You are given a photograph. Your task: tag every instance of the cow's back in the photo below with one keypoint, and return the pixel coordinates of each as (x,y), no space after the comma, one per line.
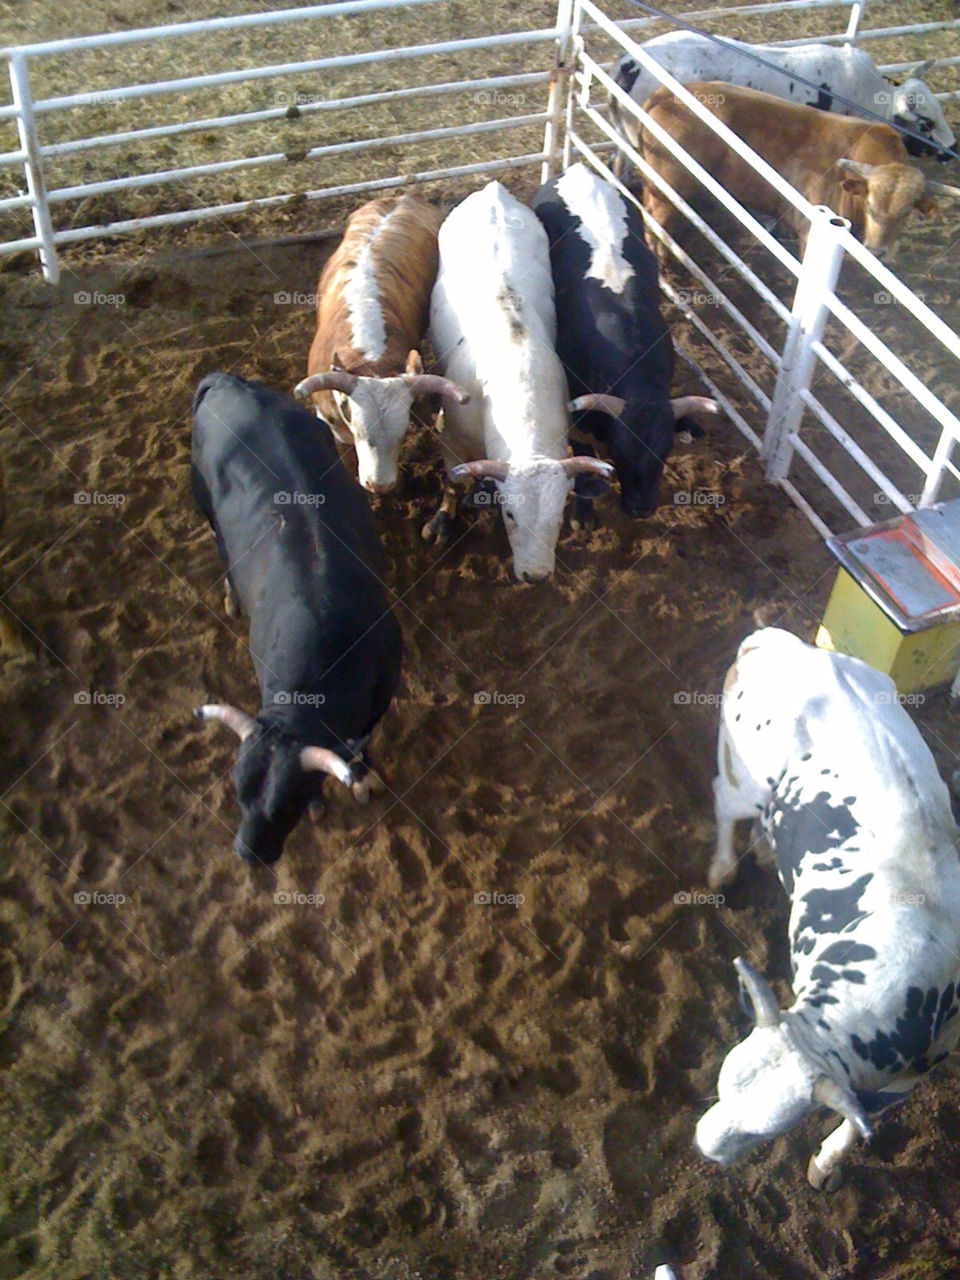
(832,72)
(387,258)
(493,325)
(802,144)
(298,539)
(606,285)
(788,704)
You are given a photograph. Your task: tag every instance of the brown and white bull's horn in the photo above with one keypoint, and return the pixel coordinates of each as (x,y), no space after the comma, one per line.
(430,384)
(766,1010)
(335,380)
(484,469)
(613,405)
(684,405)
(322,760)
(581,462)
(235,719)
(857,166)
(942,188)
(830,1094)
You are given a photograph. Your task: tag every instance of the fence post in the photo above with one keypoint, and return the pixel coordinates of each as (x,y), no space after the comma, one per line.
(558,83)
(938,463)
(853,26)
(36,189)
(820,269)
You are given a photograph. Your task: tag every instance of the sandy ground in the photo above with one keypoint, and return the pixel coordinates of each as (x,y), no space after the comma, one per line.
(353,1067)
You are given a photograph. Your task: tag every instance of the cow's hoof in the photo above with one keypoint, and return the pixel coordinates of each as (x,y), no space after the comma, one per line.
(437,529)
(829,1182)
(361,790)
(717,875)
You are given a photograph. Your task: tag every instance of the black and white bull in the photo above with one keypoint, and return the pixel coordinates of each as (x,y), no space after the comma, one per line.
(818,746)
(611,337)
(301,554)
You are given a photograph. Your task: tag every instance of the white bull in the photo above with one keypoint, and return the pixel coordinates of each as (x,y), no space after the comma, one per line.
(493,330)
(818,747)
(837,72)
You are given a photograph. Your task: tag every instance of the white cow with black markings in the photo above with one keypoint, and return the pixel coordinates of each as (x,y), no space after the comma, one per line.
(818,746)
(835,71)
(493,327)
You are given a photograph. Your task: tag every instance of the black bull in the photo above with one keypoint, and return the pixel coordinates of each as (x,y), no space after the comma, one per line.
(302,555)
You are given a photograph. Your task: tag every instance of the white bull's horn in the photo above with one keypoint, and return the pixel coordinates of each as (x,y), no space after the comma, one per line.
(235,719)
(942,188)
(614,405)
(766,1010)
(426,384)
(684,405)
(832,1095)
(322,760)
(481,470)
(857,166)
(335,380)
(922,68)
(583,462)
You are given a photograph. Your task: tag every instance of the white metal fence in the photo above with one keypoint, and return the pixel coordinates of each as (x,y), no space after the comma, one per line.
(810,442)
(34,156)
(810,414)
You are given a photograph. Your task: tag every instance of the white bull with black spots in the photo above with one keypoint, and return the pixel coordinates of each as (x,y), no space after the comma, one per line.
(818,746)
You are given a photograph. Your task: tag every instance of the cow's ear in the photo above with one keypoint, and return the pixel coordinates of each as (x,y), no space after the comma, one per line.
(590,485)
(336,362)
(414,363)
(928,206)
(854,185)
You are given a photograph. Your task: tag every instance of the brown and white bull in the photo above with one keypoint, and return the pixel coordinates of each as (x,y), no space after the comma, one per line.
(858,169)
(365,374)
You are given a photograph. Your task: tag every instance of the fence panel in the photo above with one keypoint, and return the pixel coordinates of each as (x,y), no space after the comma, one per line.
(324,113)
(836,402)
(818,381)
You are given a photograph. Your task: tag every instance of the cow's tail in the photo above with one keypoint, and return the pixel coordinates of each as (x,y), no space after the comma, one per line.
(625,74)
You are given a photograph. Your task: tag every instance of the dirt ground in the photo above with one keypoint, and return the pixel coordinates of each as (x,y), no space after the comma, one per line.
(355,1067)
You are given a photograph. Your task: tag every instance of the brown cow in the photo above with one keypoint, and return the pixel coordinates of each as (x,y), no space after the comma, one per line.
(364,368)
(858,169)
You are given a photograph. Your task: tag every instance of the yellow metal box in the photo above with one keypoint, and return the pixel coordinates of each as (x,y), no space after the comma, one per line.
(896,599)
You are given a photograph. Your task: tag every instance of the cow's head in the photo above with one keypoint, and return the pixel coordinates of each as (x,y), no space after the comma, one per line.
(639,435)
(378,413)
(532,496)
(889,194)
(917,108)
(276,778)
(767,1083)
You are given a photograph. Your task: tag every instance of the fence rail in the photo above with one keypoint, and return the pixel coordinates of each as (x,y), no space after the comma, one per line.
(34,155)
